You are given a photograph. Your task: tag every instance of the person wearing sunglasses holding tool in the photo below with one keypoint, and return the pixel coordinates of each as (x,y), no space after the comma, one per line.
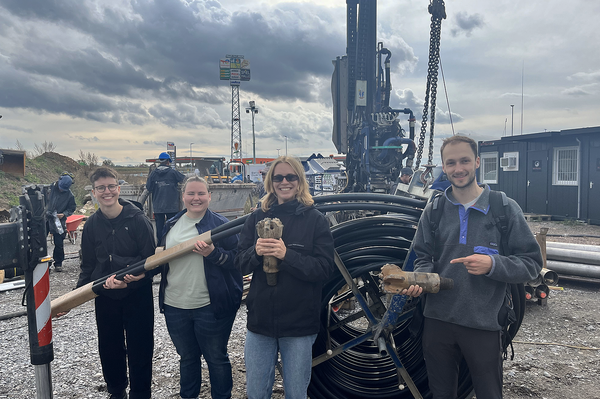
(118,235)
(284,317)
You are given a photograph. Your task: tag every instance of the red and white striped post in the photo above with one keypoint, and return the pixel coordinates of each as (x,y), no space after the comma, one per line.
(35,264)
(40,327)
(41,292)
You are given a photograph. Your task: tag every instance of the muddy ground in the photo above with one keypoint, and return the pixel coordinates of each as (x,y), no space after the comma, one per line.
(556,349)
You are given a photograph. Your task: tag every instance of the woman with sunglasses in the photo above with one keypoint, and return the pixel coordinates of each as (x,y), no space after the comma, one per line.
(284,317)
(200,294)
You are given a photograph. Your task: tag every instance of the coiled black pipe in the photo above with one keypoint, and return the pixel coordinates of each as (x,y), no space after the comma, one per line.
(374,197)
(365,245)
(358,206)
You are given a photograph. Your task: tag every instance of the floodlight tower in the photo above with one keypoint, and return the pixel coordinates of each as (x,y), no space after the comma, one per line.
(236,123)
(235,69)
(253,110)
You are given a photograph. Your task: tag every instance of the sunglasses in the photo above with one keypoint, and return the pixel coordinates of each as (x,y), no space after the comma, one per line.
(290,178)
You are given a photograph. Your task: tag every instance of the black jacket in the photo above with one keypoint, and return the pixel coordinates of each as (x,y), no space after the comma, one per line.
(60,202)
(163,184)
(292,307)
(224,282)
(106,250)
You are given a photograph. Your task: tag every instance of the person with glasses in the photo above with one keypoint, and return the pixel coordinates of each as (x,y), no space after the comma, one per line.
(61,205)
(118,234)
(163,183)
(200,294)
(284,318)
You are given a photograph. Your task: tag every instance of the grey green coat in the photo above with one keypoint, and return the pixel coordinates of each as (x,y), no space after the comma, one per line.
(475,300)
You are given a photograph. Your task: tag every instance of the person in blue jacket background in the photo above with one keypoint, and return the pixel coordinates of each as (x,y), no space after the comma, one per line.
(163,183)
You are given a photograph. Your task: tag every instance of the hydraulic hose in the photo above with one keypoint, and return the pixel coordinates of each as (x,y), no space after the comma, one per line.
(373,197)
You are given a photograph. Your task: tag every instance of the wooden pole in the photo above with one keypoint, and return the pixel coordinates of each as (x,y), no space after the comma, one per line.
(89,291)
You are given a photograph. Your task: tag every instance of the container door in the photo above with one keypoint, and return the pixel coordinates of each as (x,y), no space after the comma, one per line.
(538,173)
(594,184)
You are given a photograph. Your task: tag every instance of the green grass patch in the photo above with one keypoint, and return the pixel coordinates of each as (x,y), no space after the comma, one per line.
(39,162)
(13,199)
(31,178)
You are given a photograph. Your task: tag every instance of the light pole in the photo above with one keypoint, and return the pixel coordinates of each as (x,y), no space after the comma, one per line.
(512,118)
(285,146)
(191,159)
(277,152)
(253,110)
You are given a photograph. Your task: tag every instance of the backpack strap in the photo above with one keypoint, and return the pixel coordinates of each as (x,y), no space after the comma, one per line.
(438,200)
(498,204)
(436,211)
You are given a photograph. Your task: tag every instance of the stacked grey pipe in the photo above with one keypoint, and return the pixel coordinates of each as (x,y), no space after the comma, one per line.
(574,259)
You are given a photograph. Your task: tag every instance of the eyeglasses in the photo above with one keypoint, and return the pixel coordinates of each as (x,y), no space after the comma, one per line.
(111,187)
(290,178)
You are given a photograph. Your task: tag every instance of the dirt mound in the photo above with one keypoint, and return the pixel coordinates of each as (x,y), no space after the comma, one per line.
(43,169)
(48,166)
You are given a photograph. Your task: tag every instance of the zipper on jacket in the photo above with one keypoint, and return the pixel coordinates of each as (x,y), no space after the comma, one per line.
(114,246)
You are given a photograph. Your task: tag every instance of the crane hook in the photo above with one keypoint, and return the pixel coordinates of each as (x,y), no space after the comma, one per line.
(427,176)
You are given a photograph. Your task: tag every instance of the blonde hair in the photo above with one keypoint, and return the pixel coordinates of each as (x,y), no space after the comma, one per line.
(193,179)
(303,195)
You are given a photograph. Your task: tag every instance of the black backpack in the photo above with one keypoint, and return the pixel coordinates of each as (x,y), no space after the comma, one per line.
(507,315)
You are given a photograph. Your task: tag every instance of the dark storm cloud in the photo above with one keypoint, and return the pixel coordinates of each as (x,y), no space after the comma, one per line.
(466,23)
(186,115)
(22,90)
(88,67)
(111,55)
(52,10)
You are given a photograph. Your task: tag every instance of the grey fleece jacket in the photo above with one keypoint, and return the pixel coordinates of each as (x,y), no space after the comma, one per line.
(475,300)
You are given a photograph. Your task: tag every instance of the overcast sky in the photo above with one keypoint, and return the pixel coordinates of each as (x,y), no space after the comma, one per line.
(120,78)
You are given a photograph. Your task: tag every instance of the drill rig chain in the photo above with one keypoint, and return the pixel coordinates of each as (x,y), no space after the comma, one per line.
(438,12)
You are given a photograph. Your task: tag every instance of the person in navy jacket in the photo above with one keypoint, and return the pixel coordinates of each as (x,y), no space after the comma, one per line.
(200,294)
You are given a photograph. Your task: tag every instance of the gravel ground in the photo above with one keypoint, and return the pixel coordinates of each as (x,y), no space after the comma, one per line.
(554,355)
